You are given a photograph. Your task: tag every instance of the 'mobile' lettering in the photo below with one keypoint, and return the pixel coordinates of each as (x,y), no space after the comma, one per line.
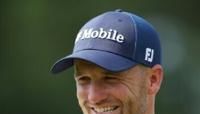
(100,34)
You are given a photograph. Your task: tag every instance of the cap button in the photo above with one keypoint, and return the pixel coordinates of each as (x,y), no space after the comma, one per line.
(119,10)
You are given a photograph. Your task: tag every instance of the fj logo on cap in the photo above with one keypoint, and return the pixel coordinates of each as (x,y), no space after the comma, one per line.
(149,54)
(101,34)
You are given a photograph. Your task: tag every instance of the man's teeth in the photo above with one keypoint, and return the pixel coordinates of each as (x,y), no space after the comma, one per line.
(106,109)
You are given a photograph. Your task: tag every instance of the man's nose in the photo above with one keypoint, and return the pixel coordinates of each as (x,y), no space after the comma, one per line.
(97,93)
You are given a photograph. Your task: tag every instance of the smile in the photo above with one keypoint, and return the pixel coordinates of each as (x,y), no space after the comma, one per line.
(104,109)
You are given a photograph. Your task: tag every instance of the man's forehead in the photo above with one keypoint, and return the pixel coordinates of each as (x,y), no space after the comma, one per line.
(81,65)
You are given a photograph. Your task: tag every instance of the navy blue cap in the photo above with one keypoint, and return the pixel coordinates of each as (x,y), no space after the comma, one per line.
(115,41)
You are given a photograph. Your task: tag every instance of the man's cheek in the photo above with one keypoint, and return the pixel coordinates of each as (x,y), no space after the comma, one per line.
(82,105)
(129,106)
(81,99)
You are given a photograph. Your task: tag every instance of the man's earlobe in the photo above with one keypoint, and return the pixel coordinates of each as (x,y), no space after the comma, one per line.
(155,79)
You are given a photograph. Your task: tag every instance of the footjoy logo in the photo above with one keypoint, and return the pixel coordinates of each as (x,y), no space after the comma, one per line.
(100,34)
(149,54)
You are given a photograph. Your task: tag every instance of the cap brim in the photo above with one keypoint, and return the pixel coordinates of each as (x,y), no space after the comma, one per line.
(106,60)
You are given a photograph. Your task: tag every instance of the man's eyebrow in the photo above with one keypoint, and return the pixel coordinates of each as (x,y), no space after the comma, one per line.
(78,74)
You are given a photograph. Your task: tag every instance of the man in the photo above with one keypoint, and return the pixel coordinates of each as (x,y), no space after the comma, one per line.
(117,62)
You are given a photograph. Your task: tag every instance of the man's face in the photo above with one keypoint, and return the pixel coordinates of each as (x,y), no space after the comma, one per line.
(103,92)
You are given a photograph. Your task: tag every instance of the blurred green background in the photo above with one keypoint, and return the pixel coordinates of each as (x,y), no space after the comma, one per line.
(35,33)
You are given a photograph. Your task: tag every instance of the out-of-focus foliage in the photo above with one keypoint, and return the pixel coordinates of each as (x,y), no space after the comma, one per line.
(35,33)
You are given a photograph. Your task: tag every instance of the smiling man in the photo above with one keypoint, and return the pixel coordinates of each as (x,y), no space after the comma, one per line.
(117,64)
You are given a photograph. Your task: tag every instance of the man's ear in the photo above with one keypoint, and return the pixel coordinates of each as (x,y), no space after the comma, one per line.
(155,79)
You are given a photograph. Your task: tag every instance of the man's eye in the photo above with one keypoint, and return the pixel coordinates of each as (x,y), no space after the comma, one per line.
(110,78)
(83,80)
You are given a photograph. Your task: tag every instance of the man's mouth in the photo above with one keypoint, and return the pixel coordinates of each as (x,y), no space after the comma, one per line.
(104,109)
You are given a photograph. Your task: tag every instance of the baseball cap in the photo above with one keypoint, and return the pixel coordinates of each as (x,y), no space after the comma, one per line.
(116,41)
